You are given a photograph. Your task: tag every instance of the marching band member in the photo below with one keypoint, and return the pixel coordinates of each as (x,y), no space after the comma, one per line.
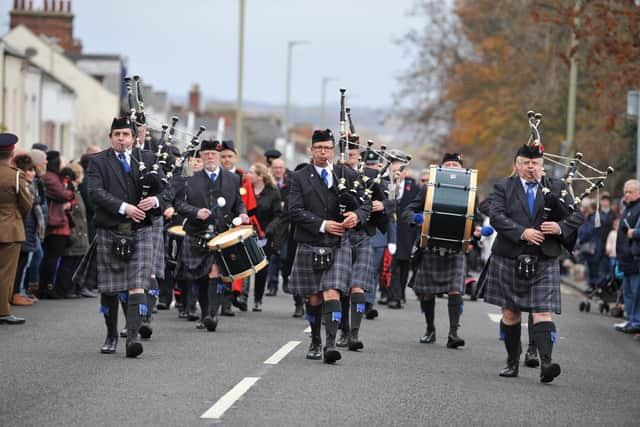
(322,264)
(211,199)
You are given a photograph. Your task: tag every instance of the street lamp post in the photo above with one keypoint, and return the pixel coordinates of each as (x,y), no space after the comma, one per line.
(239,116)
(287,106)
(633,110)
(323,97)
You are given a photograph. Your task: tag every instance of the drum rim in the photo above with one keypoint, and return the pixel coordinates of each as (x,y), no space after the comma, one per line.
(171,230)
(246,232)
(230,279)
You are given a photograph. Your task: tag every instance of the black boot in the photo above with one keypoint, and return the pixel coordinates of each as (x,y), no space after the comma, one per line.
(299,306)
(512,344)
(136,309)
(544,335)
(226,309)
(109,307)
(216,295)
(370,312)
(315,321)
(122,296)
(428,308)
(358,303)
(455,310)
(145,328)
(343,341)
(531,356)
(332,315)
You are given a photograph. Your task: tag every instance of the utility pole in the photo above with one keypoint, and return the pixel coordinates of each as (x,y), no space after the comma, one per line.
(573,82)
(240,76)
(323,97)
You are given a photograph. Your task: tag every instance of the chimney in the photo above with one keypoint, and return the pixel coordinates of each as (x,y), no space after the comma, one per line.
(30,4)
(46,5)
(61,9)
(22,5)
(52,20)
(69,6)
(194,99)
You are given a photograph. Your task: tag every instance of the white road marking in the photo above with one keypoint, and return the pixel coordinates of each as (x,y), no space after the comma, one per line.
(281,354)
(225,402)
(308,330)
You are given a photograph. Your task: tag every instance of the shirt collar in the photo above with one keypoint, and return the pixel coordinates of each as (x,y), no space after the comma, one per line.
(216,171)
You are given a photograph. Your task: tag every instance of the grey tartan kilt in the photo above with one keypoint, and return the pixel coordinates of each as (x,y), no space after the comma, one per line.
(440,274)
(157,223)
(305,281)
(540,294)
(363,269)
(195,261)
(116,275)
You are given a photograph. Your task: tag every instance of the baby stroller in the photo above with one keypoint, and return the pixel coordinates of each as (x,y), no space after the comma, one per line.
(607,291)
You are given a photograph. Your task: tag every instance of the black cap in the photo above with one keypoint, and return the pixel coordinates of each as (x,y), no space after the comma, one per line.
(272,153)
(370,157)
(7,141)
(353,142)
(320,135)
(210,144)
(452,157)
(40,146)
(52,155)
(228,145)
(530,151)
(121,123)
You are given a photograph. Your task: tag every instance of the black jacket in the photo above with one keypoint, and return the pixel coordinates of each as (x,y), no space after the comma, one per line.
(378,219)
(509,214)
(311,203)
(199,192)
(268,207)
(405,233)
(629,219)
(110,185)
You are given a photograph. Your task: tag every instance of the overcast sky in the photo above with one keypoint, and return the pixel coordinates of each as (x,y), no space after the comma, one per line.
(174,43)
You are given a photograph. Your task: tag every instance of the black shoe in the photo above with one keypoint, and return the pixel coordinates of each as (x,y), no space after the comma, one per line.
(394,305)
(548,371)
(271,293)
(227,311)
(531,359)
(109,346)
(240,302)
(354,342)
(257,307)
(145,331)
(182,315)
(84,292)
(123,333)
(211,323)
(511,370)
(134,348)
(628,329)
(71,295)
(315,352)
(12,320)
(429,337)
(343,341)
(331,355)
(383,300)
(299,311)
(163,306)
(200,325)
(454,341)
(370,312)
(192,316)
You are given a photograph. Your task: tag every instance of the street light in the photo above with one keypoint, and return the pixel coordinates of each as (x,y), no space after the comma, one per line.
(239,116)
(323,98)
(287,106)
(633,111)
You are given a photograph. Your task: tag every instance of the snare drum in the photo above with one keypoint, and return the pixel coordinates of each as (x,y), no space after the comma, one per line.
(175,241)
(237,254)
(449,208)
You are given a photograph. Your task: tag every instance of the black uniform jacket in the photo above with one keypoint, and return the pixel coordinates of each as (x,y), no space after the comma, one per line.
(406,233)
(310,202)
(200,192)
(378,219)
(110,185)
(509,214)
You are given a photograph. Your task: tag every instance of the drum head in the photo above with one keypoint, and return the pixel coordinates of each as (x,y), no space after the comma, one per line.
(176,230)
(230,238)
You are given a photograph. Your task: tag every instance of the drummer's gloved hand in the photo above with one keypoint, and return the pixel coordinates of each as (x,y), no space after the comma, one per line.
(418,218)
(392,248)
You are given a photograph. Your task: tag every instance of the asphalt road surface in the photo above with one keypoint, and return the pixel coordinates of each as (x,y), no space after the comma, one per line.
(52,373)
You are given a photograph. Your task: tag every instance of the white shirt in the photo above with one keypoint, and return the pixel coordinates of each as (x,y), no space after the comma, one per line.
(526,188)
(216,171)
(329,174)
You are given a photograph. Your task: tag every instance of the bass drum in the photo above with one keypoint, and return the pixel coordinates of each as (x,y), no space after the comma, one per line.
(237,254)
(449,208)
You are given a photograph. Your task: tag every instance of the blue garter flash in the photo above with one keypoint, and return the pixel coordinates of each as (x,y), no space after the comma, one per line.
(336,316)
(220,288)
(554,336)
(144,310)
(104,309)
(311,318)
(123,296)
(154,292)
(360,308)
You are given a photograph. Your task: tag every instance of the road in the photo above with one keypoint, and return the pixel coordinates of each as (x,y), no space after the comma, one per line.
(52,372)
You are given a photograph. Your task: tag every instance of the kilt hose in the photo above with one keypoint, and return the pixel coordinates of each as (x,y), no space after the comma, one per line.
(306,281)
(438,274)
(363,269)
(540,294)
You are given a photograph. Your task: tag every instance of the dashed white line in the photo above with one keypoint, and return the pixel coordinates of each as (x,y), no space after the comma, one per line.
(280,354)
(225,402)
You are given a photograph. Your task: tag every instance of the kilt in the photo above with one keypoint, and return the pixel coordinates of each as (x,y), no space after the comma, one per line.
(116,275)
(157,223)
(195,261)
(305,281)
(542,296)
(438,274)
(363,269)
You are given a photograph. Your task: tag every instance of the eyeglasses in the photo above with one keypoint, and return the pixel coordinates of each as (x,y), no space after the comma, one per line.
(424,181)
(322,148)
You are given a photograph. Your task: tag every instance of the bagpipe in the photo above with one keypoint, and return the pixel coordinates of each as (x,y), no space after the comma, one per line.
(167,157)
(559,207)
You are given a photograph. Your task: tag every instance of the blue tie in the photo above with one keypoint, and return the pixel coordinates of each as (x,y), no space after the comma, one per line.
(531,196)
(324,174)
(123,160)
(213,177)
